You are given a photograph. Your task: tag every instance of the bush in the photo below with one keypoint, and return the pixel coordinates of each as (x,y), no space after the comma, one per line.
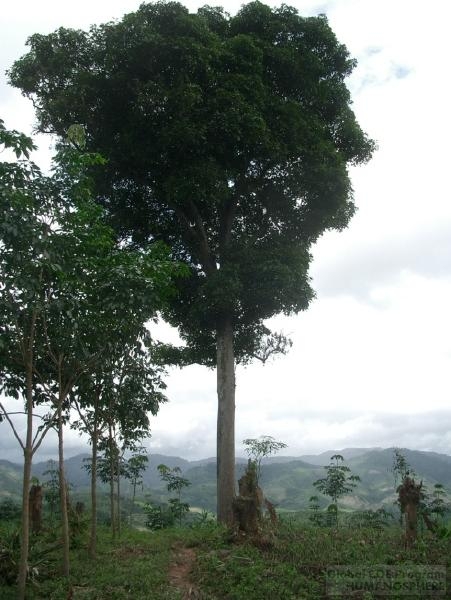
(159,516)
(374,519)
(9,556)
(42,554)
(9,510)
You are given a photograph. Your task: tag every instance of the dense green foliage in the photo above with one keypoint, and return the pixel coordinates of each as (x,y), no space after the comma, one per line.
(227,137)
(73,302)
(66,285)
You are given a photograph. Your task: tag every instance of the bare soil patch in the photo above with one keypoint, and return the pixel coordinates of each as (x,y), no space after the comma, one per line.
(180,572)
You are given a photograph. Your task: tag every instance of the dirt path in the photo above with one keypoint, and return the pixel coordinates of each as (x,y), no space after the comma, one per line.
(180,570)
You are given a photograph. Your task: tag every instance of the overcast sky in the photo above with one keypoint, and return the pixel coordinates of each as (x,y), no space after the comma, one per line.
(371,358)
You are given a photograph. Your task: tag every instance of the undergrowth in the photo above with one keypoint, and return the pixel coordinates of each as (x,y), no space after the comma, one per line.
(292,563)
(288,563)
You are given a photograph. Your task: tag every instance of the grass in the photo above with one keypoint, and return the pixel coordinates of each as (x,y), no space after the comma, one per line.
(134,567)
(287,564)
(292,564)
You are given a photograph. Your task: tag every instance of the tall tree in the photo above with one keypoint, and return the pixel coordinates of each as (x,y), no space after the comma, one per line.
(66,289)
(96,292)
(227,137)
(43,220)
(23,234)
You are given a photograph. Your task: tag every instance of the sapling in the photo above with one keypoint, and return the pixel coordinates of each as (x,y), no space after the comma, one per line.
(175,483)
(338,482)
(259,448)
(134,469)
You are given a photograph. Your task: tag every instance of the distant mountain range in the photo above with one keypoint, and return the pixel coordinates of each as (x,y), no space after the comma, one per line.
(286,481)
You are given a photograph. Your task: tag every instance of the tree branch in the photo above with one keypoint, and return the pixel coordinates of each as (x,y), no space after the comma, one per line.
(16,435)
(195,231)
(209,262)
(43,434)
(83,418)
(275,343)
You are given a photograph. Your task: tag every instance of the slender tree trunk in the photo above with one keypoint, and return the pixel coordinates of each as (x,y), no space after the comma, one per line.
(28,457)
(226,423)
(93,535)
(118,510)
(112,504)
(62,484)
(133,502)
(25,542)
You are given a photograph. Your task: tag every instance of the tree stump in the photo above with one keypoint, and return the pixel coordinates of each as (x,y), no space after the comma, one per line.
(35,508)
(247,506)
(409,494)
(271,511)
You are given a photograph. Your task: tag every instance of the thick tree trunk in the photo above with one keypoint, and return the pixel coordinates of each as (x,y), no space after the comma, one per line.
(93,535)
(226,423)
(28,457)
(63,490)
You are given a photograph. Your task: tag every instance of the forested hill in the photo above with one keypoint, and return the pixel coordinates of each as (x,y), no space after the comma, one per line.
(286,481)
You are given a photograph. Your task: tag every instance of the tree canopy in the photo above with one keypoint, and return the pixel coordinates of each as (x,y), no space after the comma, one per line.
(228,137)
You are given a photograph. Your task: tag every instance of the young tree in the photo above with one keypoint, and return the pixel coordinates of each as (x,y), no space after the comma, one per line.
(437,504)
(30,204)
(51,488)
(99,292)
(66,285)
(259,448)
(338,482)
(135,468)
(175,483)
(113,404)
(401,471)
(227,137)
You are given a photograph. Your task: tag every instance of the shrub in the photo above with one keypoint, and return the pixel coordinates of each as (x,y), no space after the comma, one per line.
(159,516)
(9,510)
